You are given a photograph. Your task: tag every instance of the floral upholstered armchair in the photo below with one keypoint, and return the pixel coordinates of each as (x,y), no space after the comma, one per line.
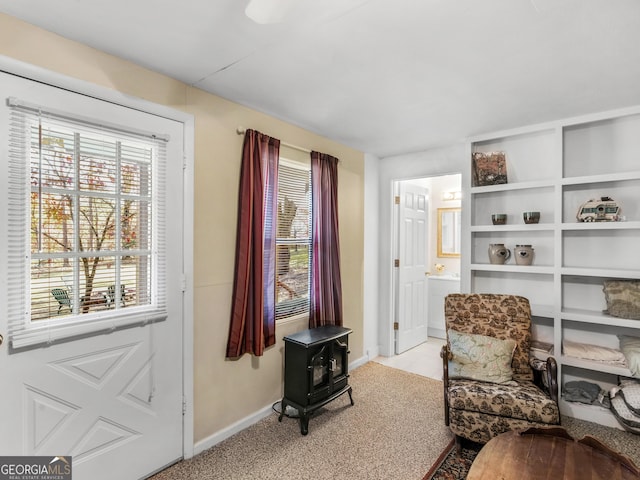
(491,385)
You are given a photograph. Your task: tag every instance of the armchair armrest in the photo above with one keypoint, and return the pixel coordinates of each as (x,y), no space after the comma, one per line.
(445,354)
(548,372)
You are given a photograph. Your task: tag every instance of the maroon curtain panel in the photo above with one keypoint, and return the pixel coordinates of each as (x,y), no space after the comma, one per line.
(326,286)
(252,326)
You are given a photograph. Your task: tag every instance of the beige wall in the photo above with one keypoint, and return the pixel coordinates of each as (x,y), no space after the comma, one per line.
(225,391)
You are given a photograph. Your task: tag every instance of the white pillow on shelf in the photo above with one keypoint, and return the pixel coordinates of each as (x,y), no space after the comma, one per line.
(630,347)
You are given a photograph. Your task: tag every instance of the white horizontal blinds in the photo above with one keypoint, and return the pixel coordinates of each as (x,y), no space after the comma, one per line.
(293,244)
(18,223)
(94,230)
(158,243)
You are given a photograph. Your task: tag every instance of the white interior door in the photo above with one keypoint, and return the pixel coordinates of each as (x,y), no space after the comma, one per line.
(412,254)
(113,400)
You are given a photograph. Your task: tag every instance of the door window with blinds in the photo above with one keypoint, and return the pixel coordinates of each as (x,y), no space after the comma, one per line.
(293,242)
(86,199)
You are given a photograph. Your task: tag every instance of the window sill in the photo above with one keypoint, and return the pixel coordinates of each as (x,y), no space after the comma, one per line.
(50,333)
(294,319)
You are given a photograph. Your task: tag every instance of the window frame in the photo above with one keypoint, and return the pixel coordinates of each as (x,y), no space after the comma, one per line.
(23,330)
(301,311)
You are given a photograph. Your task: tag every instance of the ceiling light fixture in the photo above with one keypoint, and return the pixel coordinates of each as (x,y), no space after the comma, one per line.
(266,12)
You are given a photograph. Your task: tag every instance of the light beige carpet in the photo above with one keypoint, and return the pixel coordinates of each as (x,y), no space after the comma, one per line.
(394,431)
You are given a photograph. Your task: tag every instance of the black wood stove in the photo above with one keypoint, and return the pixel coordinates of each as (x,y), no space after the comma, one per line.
(316,367)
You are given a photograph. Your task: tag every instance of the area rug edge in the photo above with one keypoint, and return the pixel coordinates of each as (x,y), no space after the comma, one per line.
(440,459)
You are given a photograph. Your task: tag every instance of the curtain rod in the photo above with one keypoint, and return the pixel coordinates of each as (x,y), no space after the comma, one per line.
(242,130)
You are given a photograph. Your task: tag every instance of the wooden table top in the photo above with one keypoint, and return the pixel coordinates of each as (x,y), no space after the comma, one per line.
(549,453)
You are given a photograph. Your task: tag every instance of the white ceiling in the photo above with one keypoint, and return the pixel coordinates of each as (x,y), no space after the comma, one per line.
(383,76)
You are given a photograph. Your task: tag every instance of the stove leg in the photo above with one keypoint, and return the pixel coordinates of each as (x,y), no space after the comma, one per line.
(304,423)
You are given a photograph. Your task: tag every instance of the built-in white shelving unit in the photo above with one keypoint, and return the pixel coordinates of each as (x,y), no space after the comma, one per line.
(553,168)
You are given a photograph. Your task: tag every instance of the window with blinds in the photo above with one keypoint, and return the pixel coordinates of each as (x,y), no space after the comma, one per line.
(293,242)
(85,201)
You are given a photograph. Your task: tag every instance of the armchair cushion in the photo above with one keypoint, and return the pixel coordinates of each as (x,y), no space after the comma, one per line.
(499,316)
(480,357)
(523,400)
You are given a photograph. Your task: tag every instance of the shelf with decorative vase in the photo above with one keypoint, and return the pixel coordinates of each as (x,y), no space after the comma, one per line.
(556,169)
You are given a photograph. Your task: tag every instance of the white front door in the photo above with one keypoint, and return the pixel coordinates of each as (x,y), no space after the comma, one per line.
(412,256)
(112,400)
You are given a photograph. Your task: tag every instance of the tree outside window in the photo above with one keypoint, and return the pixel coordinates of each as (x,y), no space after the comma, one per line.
(293,243)
(90,221)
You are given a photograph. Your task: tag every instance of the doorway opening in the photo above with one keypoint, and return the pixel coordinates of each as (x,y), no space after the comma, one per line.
(426,232)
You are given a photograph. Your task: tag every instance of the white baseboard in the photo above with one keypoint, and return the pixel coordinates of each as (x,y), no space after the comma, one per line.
(232,429)
(373,352)
(249,420)
(437,333)
(589,413)
(358,362)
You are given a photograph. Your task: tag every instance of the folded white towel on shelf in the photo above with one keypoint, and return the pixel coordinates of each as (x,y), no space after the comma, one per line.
(593,352)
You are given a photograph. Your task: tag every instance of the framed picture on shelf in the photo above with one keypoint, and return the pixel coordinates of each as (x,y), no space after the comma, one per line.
(489,168)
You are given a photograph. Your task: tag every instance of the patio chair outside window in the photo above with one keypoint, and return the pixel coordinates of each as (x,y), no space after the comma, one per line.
(111,294)
(62,296)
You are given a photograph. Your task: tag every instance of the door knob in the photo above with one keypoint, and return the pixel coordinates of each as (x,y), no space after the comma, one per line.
(1,339)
